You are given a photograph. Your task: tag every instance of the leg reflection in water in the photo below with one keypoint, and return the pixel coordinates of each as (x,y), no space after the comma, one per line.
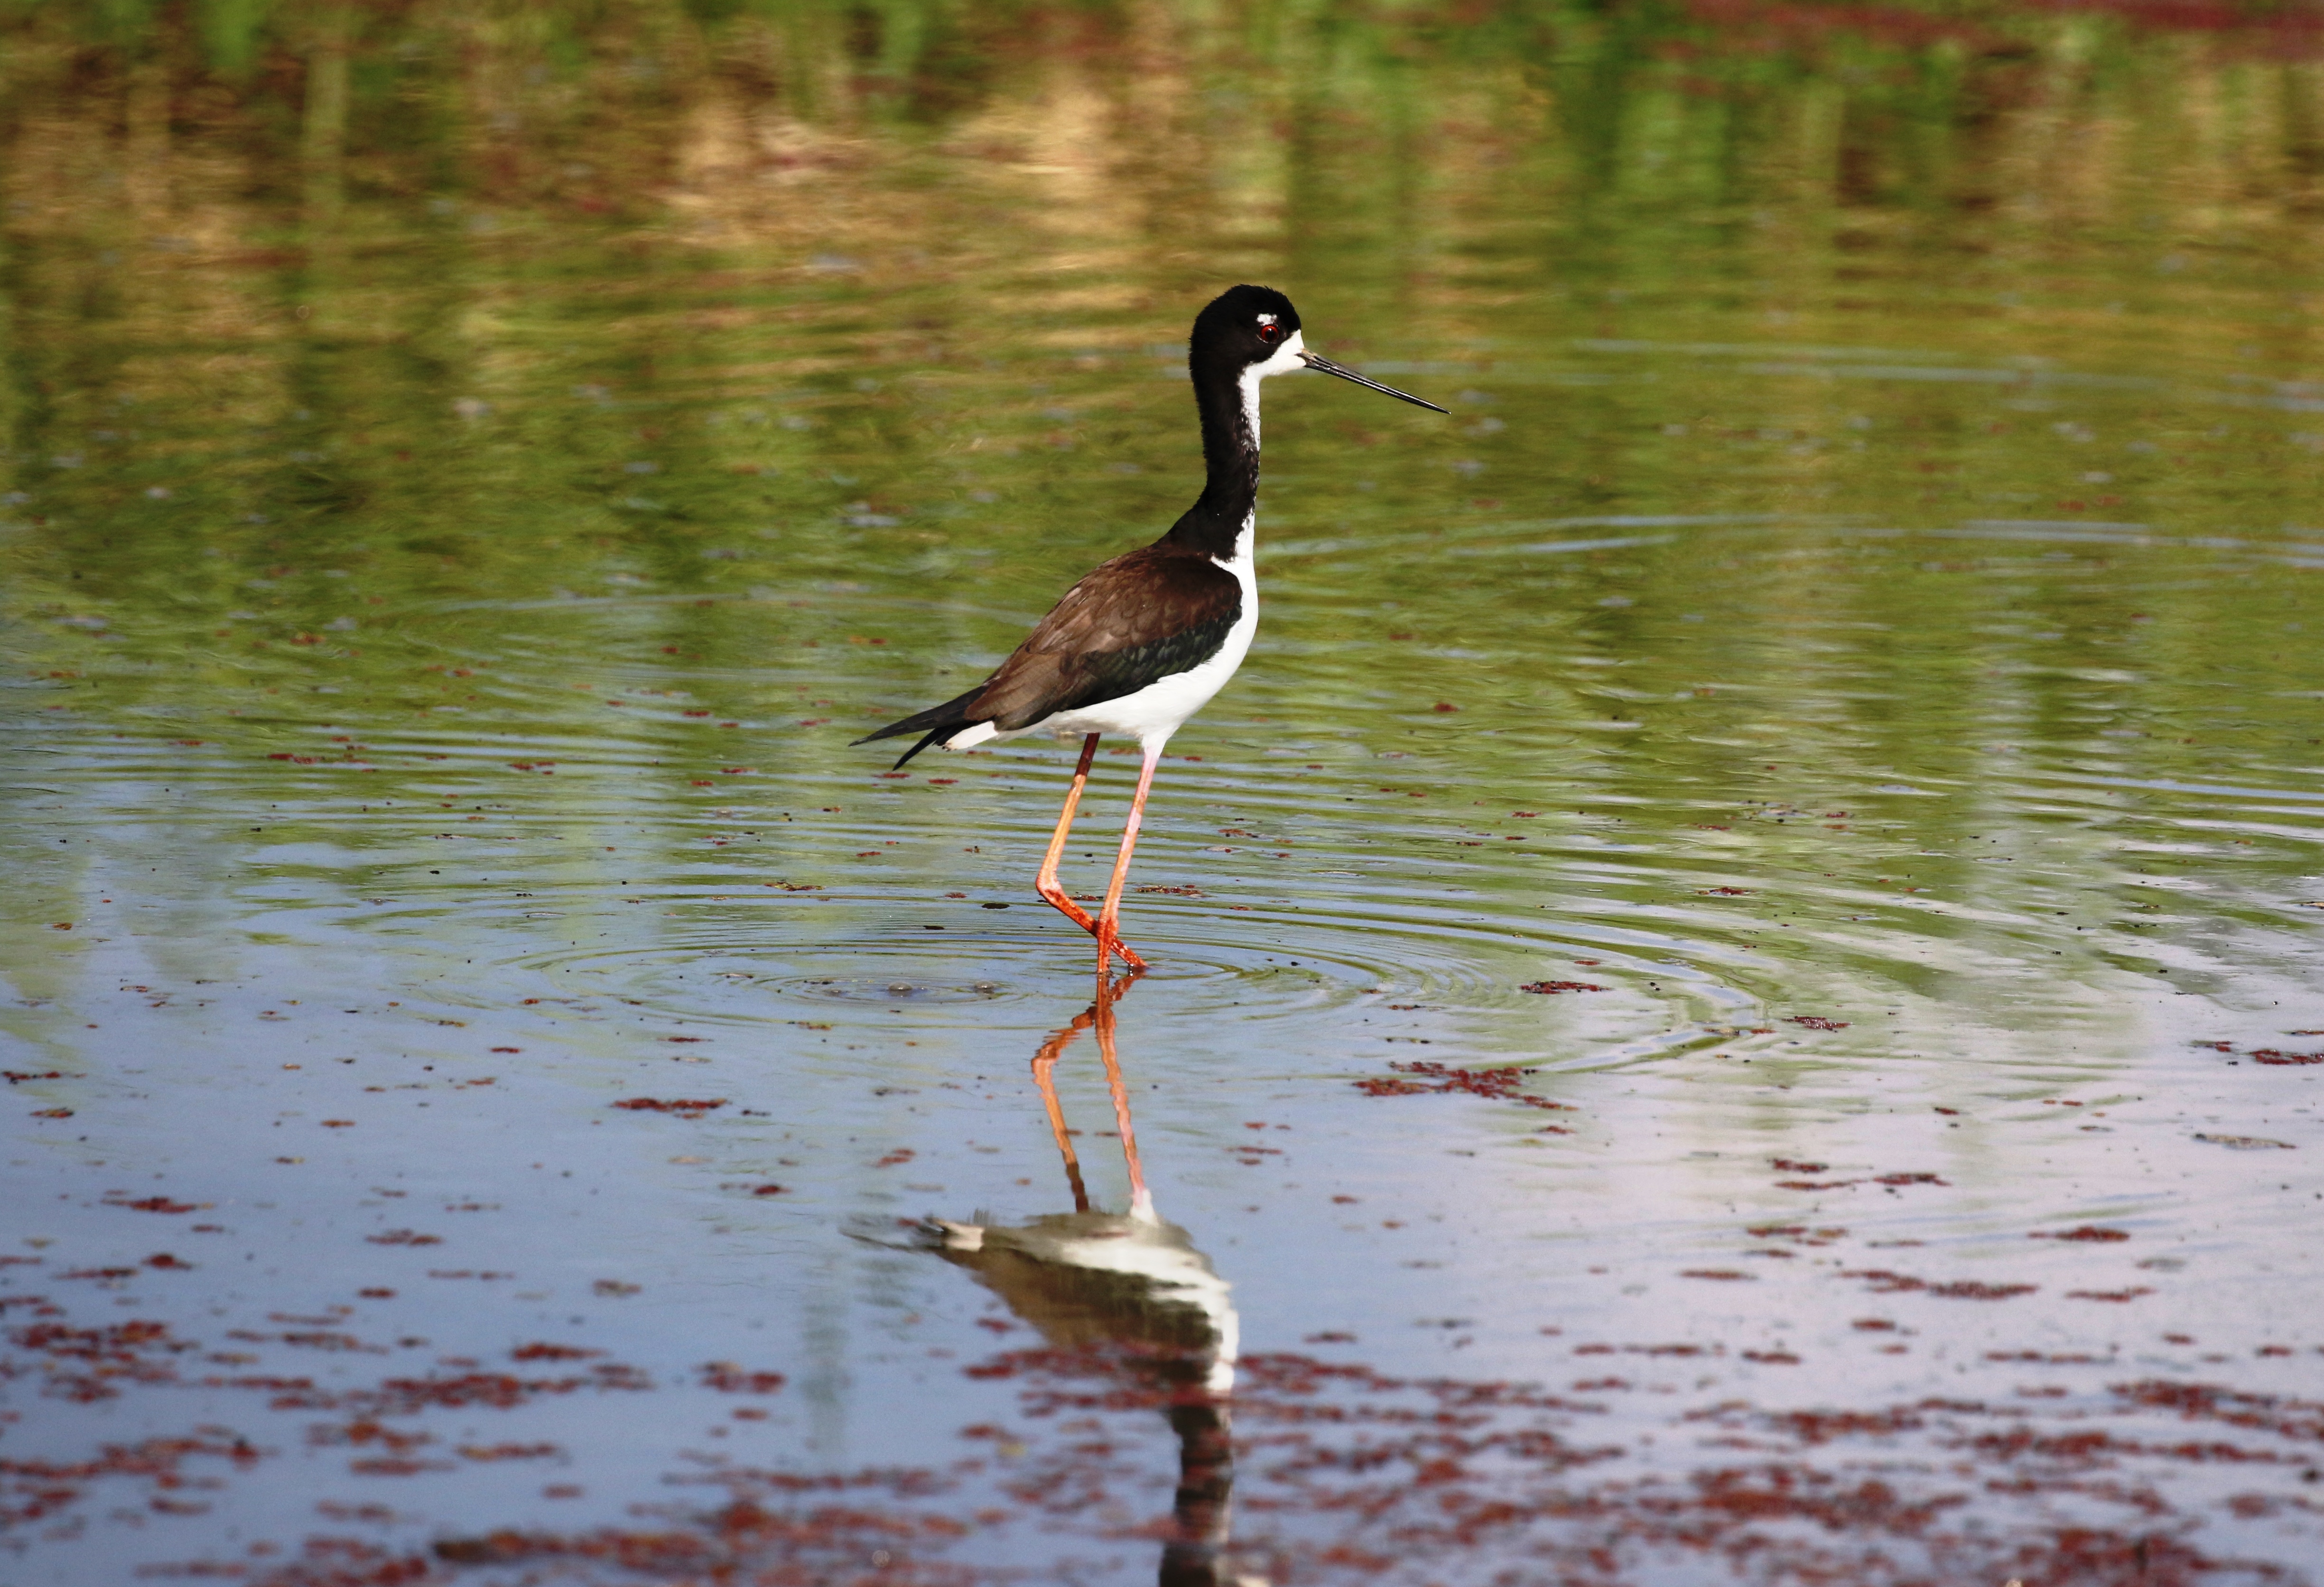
(1132,1291)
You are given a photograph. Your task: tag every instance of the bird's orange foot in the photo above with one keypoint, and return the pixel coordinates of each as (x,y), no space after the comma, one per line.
(1109,942)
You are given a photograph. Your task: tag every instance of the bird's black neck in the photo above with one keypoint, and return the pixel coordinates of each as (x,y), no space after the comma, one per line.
(1213,525)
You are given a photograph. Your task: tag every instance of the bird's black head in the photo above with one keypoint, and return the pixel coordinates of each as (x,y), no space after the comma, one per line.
(1247,333)
(1241,327)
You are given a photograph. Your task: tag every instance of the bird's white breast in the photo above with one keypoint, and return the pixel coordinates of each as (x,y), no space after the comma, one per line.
(1159,709)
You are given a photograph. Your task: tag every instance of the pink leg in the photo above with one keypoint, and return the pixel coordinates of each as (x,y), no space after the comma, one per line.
(1109,938)
(1045,885)
(1141,1200)
(1044,1063)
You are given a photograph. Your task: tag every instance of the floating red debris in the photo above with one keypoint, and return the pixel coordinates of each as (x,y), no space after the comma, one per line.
(396,1467)
(154,1204)
(1481,1470)
(1389,1087)
(1553,988)
(90,1364)
(2088,1232)
(1797,1165)
(1497,1085)
(43,1488)
(539,1351)
(1885,1282)
(727,1377)
(404,1237)
(510,1452)
(18,1076)
(684,1106)
(2268,1055)
(1970,1289)
(1814,1022)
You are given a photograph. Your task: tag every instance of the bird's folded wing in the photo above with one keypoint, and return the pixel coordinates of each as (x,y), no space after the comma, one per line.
(1130,623)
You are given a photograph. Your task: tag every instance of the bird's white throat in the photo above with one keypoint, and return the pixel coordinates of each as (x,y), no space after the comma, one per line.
(1285,360)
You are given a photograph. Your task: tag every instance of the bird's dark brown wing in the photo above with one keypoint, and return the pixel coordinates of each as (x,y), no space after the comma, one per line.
(1132,622)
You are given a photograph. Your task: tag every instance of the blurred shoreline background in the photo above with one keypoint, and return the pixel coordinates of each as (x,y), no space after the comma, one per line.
(238,168)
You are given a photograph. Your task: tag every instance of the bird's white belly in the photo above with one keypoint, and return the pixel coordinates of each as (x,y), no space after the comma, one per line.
(1159,709)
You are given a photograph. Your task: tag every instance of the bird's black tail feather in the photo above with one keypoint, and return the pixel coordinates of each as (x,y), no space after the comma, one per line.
(938,721)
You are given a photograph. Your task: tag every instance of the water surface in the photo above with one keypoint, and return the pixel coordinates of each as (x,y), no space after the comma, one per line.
(1736,983)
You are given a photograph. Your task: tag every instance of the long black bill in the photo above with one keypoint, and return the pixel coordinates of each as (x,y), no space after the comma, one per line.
(1317,361)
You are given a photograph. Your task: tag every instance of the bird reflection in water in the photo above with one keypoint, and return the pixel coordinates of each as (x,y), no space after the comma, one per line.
(1131,1289)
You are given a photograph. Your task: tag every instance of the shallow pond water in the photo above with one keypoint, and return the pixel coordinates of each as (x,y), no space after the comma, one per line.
(1736,985)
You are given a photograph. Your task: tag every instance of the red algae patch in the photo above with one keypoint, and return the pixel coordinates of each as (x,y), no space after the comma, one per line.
(684,1107)
(1337,1472)
(1431,1079)
(153,1203)
(544,1352)
(727,1377)
(2091,1232)
(1340,1473)
(1885,1282)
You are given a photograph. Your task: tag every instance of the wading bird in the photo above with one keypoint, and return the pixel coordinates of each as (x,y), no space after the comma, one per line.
(1130,1291)
(1143,641)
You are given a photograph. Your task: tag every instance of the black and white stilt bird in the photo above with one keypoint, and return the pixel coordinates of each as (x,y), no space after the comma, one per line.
(1132,1292)
(1143,641)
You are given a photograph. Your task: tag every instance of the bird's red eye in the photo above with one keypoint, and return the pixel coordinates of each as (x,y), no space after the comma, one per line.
(1270,333)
